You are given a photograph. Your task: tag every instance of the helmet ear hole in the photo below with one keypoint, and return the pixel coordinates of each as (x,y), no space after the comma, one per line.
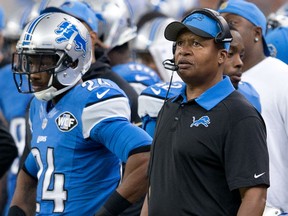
(67,61)
(74,64)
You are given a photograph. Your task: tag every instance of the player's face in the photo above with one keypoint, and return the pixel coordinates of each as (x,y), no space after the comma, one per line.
(233,64)
(244,27)
(39,69)
(197,59)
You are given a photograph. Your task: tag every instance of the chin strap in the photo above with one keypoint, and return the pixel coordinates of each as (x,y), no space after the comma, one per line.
(51,92)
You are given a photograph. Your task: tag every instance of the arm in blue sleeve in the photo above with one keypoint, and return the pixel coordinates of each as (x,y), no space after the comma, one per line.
(149,124)
(30,166)
(120,136)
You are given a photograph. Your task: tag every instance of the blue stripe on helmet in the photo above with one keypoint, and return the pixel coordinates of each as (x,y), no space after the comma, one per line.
(31,28)
(154,29)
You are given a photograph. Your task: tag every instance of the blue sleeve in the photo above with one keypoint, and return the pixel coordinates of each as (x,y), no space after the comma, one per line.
(31,166)
(149,124)
(249,92)
(120,136)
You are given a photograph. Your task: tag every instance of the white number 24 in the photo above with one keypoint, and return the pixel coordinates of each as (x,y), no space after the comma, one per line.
(58,194)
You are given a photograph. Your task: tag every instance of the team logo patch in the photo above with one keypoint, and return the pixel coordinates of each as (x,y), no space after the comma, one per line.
(66,30)
(41,139)
(204,120)
(198,17)
(66,122)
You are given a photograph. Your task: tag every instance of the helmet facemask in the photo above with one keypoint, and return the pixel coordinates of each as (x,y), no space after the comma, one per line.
(25,64)
(53,63)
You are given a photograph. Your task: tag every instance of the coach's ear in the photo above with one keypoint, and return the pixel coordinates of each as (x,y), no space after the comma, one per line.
(222,55)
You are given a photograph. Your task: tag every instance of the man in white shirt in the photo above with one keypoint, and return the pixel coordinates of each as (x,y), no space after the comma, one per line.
(269,77)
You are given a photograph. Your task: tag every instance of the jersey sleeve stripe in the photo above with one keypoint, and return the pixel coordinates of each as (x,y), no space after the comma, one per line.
(93,114)
(148,105)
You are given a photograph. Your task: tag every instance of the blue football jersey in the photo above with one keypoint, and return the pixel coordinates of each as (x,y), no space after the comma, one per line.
(250,93)
(139,76)
(13,106)
(78,146)
(151,100)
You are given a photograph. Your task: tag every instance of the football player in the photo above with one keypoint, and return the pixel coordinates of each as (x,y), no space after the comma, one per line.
(81,131)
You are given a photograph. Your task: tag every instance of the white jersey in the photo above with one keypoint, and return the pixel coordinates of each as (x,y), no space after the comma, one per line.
(269,78)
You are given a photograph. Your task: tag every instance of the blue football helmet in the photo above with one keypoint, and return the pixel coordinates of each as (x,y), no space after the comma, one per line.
(170,8)
(151,33)
(279,18)
(62,41)
(116,26)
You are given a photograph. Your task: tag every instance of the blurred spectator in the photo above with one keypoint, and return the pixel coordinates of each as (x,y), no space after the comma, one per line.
(277,33)
(116,16)
(278,18)
(138,75)
(170,8)
(268,76)
(8,150)
(247,19)
(151,101)
(150,46)
(233,68)
(277,40)
(268,6)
